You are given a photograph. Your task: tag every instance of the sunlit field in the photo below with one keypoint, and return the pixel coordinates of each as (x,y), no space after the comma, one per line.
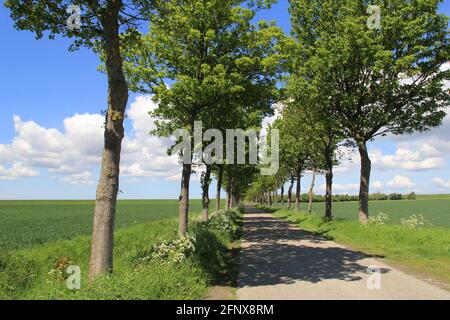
(436,209)
(25,224)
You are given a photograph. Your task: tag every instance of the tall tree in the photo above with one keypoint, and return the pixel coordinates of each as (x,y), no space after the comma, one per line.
(385,80)
(103,23)
(310,109)
(311,190)
(219,64)
(294,148)
(219,178)
(205,181)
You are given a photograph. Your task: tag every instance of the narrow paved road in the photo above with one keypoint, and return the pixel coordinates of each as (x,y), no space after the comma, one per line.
(282,262)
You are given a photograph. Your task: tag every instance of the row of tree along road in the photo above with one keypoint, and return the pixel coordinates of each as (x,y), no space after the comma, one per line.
(339,82)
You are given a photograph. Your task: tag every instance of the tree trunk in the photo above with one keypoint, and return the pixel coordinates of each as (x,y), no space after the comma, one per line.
(291,186)
(311,189)
(270,198)
(229,189)
(282,194)
(329,190)
(184,200)
(297,193)
(235,199)
(219,187)
(231,198)
(275,194)
(101,259)
(206,180)
(364,183)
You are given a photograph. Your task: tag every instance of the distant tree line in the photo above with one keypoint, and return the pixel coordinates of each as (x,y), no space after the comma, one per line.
(378,196)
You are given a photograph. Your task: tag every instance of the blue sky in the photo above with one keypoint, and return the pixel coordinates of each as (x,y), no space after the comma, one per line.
(50,101)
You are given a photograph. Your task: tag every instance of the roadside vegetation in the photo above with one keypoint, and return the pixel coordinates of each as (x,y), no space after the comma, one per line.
(26,224)
(151,263)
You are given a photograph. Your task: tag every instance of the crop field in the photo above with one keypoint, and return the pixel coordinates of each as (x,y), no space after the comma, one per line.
(435,208)
(25,224)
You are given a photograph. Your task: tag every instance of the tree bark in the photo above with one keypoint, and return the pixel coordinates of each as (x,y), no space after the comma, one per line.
(282,194)
(219,187)
(291,186)
(311,189)
(329,190)
(229,182)
(366,167)
(297,193)
(206,180)
(275,194)
(101,259)
(184,200)
(235,198)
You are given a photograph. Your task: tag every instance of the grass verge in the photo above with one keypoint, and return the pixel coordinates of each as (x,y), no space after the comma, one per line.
(142,270)
(424,250)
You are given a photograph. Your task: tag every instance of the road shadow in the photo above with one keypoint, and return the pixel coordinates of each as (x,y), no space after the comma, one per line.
(276,255)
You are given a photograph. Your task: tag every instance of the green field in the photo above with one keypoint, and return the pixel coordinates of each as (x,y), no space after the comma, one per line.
(435,208)
(41,272)
(26,224)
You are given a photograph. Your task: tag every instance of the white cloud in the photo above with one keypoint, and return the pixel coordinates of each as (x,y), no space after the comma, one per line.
(74,153)
(377,184)
(16,171)
(63,152)
(341,188)
(145,156)
(345,187)
(401,182)
(78,178)
(435,137)
(423,157)
(442,183)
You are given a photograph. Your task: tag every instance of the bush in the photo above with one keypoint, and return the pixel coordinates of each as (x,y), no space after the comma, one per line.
(171,252)
(415,221)
(395,196)
(379,219)
(344,198)
(378,196)
(411,196)
(222,221)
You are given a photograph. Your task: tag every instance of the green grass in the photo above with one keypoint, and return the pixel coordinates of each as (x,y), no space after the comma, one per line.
(435,208)
(24,274)
(424,249)
(25,224)
(433,196)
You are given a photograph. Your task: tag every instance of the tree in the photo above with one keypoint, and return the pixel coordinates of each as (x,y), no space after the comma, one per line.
(205,181)
(103,23)
(310,111)
(294,147)
(386,81)
(219,64)
(219,178)
(311,191)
